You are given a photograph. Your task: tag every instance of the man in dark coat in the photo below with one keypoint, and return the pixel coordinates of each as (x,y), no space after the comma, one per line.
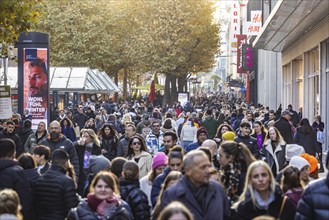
(204,198)
(284,127)
(80,118)
(26,131)
(314,202)
(244,137)
(56,140)
(54,191)
(12,176)
(9,132)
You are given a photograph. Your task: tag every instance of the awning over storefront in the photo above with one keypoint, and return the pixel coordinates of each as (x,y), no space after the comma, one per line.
(288,21)
(71,79)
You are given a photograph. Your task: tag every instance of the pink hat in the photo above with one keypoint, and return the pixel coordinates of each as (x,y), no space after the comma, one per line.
(160,159)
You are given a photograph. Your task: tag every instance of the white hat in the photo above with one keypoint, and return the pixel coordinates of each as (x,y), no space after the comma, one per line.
(298,162)
(293,150)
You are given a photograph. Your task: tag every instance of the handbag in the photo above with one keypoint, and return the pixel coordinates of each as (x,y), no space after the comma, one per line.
(282,206)
(320,137)
(77,131)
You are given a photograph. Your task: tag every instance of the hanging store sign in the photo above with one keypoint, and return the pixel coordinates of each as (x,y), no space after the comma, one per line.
(235,26)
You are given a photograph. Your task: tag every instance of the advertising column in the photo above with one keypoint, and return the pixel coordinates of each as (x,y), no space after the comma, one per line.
(33,76)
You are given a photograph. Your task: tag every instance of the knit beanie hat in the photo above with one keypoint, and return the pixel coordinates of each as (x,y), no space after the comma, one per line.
(99,163)
(293,150)
(312,160)
(228,136)
(200,131)
(298,162)
(160,159)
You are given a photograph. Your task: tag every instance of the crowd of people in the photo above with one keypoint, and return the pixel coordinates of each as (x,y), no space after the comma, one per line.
(211,158)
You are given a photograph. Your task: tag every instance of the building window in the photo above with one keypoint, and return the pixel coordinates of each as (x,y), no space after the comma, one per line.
(312,67)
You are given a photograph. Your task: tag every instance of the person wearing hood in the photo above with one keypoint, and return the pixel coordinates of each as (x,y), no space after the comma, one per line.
(210,124)
(56,140)
(9,132)
(26,131)
(34,139)
(244,137)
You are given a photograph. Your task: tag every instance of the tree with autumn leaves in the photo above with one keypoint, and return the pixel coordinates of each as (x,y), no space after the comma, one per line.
(127,38)
(17,16)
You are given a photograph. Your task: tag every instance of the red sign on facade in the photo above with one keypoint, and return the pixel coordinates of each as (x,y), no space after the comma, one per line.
(242,39)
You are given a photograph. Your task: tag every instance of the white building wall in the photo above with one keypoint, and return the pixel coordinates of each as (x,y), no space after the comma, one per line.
(269,78)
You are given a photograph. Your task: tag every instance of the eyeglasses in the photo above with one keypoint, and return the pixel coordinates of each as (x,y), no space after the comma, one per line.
(136,143)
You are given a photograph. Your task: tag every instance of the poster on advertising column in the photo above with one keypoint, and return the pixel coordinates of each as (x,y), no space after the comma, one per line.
(36,84)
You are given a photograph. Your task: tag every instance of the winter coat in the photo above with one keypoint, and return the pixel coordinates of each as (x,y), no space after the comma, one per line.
(294,195)
(188,133)
(143,124)
(278,157)
(136,199)
(144,164)
(110,145)
(157,185)
(24,135)
(80,119)
(33,140)
(54,194)
(284,128)
(193,146)
(307,140)
(14,137)
(69,133)
(84,212)
(314,202)
(67,145)
(146,187)
(95,150)
(154,143)
(123,147)
(210,124)
(216,203)
(32,176)
(246,209)
(12,176)
(250,142)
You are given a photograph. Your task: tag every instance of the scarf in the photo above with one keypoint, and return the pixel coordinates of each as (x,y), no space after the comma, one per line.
(231,180)
(261,203)
(105,209)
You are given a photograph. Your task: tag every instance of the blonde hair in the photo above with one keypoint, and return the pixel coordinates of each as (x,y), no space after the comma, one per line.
(248,188)
(92,135)
(126,118)
(10,203)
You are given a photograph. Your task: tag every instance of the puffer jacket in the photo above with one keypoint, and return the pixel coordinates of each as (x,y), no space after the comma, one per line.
(278,157)
(314,202)
(250,142)
(12,176)
(54,194)
(67,145)
(14,137)
(84,212)
(136,199)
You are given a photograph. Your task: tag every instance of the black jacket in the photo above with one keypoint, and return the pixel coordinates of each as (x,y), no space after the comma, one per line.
(80,119)
(67,145)
(32,176)
(54,194)
(314,202)
(136,199)
(246,209)
(12,176)
(250,142)
(95,150)
(307,139)
(13,136)
(24,135)
(284,127)
(110,145)
(84,212)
